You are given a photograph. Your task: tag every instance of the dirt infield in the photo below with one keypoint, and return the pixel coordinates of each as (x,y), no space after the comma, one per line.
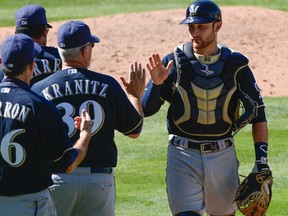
(260,34)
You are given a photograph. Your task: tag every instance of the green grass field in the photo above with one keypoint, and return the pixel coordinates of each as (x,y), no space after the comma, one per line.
(71,9)
(140,174)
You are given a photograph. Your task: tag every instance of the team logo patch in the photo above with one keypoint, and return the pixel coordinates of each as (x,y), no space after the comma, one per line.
(264,148)
(193,10)
(207,71)
(72,71)
(24,22)
(62,45)
(5,90)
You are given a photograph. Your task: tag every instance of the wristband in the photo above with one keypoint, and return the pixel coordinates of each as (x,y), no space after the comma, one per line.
(261,150)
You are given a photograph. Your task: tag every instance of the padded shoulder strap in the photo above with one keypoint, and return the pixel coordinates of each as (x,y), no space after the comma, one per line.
(179,57)
(233,57)
(183,57)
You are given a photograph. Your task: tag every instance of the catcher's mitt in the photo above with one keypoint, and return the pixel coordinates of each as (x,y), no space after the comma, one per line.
(254,193)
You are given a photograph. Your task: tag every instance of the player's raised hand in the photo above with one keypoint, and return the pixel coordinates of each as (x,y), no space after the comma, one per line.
(157,70)
(84,122)
(136,80)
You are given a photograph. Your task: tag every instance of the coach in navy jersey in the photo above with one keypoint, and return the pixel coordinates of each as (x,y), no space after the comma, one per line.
(32,135)
(91,190)
(31,20)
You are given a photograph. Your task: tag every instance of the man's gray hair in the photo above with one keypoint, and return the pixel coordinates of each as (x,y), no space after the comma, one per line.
(70,54)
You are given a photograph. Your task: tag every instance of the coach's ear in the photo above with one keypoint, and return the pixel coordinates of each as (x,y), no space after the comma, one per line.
(45,31)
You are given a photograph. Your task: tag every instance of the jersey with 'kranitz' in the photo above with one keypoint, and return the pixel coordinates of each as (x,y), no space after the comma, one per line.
(204,98)
(108,105)
(32,137)
(46,63)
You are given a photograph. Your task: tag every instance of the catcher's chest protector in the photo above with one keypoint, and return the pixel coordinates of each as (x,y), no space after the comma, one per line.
(206,91)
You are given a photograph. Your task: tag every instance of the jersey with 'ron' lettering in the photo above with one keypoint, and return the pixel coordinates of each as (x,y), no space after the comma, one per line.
(32,136)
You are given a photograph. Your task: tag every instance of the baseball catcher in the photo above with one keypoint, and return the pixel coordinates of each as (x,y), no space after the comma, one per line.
(212,94)
(255,192)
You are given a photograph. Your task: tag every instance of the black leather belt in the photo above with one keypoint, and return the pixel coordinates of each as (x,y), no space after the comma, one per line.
(203,147)
(101,170)
(87,170)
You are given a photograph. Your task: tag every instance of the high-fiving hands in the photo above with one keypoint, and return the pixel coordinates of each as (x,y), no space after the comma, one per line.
(157,70)
(136,81)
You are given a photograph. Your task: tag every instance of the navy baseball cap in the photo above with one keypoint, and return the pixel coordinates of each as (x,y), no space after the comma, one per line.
(18,50)
(75,34)
(201,12)
(30,15)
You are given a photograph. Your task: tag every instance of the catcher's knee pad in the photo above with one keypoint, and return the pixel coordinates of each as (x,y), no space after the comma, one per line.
(188,213)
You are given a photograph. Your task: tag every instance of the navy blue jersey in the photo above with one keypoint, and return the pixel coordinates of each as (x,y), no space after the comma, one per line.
(46,63)
(204,99)
(32,136)
(110,109)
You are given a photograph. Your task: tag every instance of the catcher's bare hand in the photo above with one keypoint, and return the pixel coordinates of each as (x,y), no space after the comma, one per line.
(136,81)
(157,70)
